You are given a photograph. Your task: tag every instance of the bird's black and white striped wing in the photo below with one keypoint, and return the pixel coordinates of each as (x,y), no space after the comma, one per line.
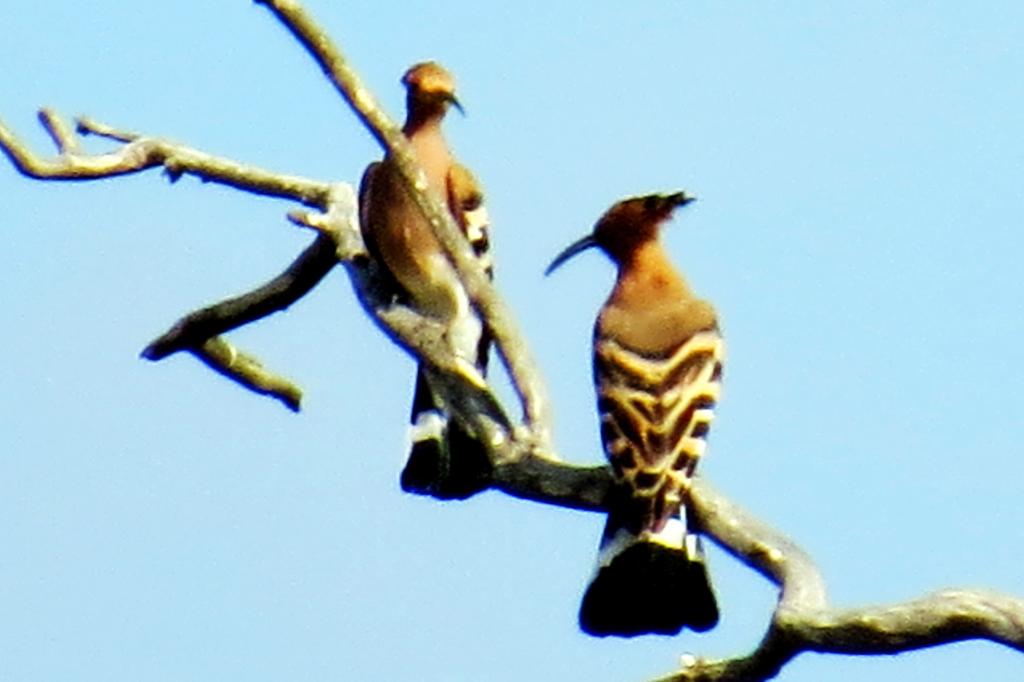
(655,415)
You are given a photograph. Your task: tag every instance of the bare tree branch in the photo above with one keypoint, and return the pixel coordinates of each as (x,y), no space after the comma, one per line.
(142,153)
(296,281)
(196,332)
(803,621)
(761,547)
(936,619)
(509,341)
(550,482)
(246,370)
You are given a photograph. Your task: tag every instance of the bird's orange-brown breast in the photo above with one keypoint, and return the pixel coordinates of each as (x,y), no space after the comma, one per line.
(398,233)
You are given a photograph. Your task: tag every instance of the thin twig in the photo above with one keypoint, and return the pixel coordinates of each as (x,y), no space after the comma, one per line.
(63,137)
(88,126)
(246,370)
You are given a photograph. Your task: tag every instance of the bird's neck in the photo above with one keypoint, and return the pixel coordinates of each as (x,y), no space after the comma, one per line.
(430,148)
(422,117)
(646,275)
(651,310)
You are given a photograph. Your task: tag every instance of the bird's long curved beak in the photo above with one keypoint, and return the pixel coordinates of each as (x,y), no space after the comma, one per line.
(457,104)
(680,199)
(570,251)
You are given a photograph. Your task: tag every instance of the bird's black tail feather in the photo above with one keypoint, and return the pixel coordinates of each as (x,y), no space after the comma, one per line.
(649,587)
(445,460)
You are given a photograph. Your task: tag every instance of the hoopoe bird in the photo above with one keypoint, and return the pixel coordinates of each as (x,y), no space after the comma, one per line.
(657,370)
(444,459)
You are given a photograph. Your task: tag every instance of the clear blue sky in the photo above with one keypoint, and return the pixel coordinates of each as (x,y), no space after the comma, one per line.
(859,172)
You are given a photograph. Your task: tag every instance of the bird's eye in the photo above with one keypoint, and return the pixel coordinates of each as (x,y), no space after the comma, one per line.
(650,203)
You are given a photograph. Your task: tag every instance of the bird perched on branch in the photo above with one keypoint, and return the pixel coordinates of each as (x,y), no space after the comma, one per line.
(657,369)
(445,459)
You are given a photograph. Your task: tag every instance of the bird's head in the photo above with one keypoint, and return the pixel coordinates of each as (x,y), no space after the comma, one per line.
(430,88)
(625,226)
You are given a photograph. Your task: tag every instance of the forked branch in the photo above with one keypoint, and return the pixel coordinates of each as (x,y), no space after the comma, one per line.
(138,153)
(197,333)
